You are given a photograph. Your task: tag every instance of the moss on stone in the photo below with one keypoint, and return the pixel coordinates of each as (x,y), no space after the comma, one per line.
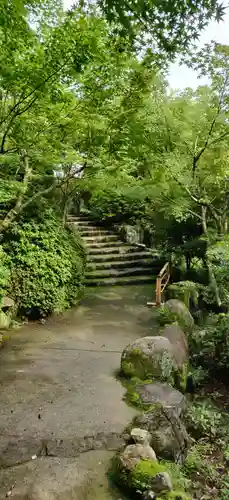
(143,367)
(141,478)
(131,396)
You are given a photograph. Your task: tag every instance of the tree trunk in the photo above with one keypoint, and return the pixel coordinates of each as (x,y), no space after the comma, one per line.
(211,274)
(12,214)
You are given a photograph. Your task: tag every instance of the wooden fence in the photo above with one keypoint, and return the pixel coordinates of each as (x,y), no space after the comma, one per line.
(162,281)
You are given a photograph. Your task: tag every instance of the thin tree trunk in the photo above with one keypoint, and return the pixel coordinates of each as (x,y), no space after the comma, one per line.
(211,273)
(13,212)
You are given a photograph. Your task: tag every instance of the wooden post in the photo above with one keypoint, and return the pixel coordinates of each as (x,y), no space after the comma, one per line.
(158,292)
(161,283)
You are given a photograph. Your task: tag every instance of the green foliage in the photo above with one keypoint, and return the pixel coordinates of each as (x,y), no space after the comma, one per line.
(204,420)
(141,478)
(186,291)
(47,264)
(167,317)
(210,345)
(179,480)
(205,468)
(198,376)
(218,253)
(197,461)
(170,25)
(4,273)
(111,204)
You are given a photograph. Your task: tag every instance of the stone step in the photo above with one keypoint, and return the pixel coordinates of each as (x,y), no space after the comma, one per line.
(109,273)
(81,222)
(121,280)
(122,256)
(119,249)
(126,263)
(102,245)
(91,231)
(98,239)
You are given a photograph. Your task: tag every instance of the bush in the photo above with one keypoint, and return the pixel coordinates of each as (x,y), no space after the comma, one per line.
(4,273)
(47,266)
(204,420)
(186,291)
(114,204)
(210,346)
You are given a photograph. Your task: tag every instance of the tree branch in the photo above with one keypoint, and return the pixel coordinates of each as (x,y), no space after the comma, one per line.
(25,97)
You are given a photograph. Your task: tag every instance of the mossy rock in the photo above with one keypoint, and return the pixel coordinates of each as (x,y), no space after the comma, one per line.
(170,439)
(174,310)
(149,357)
(143,476)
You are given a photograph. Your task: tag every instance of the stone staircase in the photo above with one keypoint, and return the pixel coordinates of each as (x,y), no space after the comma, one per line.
(111,261)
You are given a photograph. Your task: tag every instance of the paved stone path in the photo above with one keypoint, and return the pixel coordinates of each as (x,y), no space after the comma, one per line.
(61,407)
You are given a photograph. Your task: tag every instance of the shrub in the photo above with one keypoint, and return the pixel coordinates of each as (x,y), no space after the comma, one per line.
(4,273)
(47,265)
(109,202)
(204,420)
(186,291)
(210,346)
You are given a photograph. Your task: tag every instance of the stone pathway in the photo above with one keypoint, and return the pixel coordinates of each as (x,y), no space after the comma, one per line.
(61,408)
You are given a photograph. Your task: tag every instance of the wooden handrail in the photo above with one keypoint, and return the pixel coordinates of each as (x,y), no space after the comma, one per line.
(162,281)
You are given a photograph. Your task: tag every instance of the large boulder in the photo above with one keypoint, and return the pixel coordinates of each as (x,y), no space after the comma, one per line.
(160,393)
(169,437)
(4,321)
(178,339)
(149,357)
(179,312)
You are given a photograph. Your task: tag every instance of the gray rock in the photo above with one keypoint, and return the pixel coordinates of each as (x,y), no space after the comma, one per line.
(170,439)
(1,341)
(178,339)
(140,436)
(182,313)
(7,303)
(162,482)
(133,453)
(4,321)
(163,394)
(149,357)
